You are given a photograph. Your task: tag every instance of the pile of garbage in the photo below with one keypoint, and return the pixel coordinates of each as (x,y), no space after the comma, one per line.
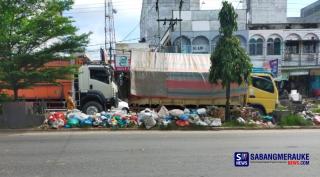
(251,116)
(76,118)
(149,118)
(311,112)
(210,117)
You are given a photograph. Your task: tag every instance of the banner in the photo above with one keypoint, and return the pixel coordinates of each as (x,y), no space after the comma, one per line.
(274,66)
(122,63)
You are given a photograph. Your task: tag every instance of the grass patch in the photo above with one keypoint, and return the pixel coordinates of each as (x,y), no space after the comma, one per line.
(294,120)
(315,110)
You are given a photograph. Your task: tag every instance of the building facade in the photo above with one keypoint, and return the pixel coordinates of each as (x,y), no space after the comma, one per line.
(264,30)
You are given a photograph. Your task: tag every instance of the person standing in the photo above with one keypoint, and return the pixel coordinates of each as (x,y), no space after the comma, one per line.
(70,102)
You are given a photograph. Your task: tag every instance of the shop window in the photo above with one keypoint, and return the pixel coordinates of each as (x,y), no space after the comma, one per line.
(252,47)
(263,84)
(259,46)
(309,46)
(277,46)
(256,46)
(274,46)
(270,47)
(292,47)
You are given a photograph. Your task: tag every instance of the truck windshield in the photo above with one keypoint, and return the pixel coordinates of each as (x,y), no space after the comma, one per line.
(263,84)
(99,75)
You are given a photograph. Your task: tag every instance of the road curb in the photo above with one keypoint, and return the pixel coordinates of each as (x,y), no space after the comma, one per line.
(155,129)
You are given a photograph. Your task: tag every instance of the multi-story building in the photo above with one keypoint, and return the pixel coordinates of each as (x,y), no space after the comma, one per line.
(264,30)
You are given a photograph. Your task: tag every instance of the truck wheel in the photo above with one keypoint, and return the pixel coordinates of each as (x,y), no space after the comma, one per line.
(92,107)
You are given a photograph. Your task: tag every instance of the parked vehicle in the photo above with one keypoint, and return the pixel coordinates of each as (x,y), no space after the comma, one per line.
(182,80)
(93,87)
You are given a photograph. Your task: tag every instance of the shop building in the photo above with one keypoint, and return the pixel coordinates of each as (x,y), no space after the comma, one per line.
(264,30)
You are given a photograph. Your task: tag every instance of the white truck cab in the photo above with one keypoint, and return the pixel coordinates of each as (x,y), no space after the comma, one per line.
(95,89)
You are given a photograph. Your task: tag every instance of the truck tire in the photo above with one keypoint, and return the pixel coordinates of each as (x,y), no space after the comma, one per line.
(92,107)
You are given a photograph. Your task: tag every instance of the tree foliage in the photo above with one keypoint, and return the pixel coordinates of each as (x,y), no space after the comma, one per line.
(33,33)
(229,61)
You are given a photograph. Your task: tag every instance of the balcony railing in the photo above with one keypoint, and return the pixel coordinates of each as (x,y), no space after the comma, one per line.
(291,60)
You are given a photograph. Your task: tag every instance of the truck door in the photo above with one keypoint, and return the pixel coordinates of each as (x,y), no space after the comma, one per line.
(263,92)
(100,81)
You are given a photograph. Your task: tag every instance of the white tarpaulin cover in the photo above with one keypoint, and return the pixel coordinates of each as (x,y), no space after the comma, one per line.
(171,75)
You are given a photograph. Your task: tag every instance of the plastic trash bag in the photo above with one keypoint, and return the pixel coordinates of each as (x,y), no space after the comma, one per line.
(240,120)
(57,120)
(163,112)
(182,123)
(73,122)
(201,123)
(176,112)
(193,118)
(166,122)
(149,122)
(86,122)
(202,111)
(216,122)
(97,122)
(184,117)
(267,118)
(169,118)
(58,123)
(187,111)
(316,120)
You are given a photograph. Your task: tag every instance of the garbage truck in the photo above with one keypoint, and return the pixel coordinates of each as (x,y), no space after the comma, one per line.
(182,80)
(93,87)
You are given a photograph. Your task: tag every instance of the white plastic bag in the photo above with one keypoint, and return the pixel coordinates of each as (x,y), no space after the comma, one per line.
(176,112)
(240,120)
(216,122)
(149,122)
(202,111)
(163,112)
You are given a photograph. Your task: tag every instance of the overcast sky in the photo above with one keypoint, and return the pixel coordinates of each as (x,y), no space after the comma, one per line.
(89,14)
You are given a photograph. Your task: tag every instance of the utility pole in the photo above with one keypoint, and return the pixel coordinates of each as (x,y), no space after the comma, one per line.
(105,24)
(109,27)
(159,35)
(180,8)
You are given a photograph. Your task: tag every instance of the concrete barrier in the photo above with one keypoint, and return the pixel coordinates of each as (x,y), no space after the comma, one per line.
(18,115)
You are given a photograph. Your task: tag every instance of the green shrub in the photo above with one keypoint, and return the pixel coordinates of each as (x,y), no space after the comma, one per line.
(4,98)
(294,120)
(316,110)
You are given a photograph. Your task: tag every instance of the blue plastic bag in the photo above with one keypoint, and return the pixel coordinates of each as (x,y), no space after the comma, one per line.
(86,122)
(184,117)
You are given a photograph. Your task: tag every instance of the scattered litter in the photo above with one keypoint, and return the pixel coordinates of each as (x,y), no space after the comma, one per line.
(240,120)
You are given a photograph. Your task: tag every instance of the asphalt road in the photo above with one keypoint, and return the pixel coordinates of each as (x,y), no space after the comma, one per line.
(153,154)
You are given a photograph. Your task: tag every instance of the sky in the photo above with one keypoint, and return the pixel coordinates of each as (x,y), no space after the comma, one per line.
(89,16)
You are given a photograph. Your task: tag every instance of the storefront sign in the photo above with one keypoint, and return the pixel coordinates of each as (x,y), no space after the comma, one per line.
(199,48)
(122,63)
